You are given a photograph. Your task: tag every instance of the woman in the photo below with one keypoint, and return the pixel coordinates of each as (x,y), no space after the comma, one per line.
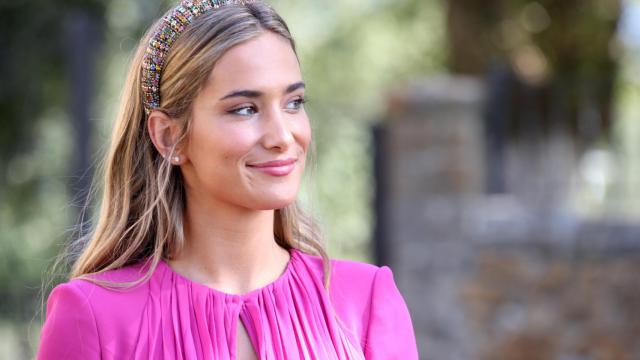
(200,251)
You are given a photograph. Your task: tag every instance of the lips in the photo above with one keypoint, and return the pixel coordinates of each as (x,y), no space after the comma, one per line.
(274,163)
(275,167)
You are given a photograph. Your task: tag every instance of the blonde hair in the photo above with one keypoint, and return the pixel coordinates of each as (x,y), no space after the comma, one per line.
(143,197)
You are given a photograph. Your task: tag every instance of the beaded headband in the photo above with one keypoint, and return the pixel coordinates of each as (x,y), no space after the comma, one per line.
(173,23)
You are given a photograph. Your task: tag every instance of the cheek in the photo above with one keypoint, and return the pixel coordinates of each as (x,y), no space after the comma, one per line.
(227,145)
(303,133)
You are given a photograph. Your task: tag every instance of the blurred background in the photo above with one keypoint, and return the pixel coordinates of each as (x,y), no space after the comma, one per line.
(488,151)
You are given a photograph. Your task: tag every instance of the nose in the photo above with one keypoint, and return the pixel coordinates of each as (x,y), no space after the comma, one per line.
(277,131)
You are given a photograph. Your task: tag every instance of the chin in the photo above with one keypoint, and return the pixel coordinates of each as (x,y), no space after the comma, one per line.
(275,203)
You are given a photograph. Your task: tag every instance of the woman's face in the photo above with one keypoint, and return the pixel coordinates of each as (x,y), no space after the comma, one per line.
(249,115)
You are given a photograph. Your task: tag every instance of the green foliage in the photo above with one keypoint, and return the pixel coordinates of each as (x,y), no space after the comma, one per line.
(560,58)
(34,145)
(352,54)
(35,149)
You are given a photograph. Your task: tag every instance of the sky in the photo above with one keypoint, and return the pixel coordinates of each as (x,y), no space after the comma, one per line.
(629,28)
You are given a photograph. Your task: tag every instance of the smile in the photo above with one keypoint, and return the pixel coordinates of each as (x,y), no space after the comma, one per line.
(275,168)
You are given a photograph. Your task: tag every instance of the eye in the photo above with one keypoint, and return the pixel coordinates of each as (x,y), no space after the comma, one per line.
(296,104)
(244,111)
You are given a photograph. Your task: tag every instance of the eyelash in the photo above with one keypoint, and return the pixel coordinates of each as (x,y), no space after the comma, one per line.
(301,101)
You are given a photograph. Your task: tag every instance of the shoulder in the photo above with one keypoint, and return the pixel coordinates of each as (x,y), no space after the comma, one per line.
(367,300)
(104,292)
(83,313)
(352,277)
(70,330)
(105,289)
(341,267)
(356,287)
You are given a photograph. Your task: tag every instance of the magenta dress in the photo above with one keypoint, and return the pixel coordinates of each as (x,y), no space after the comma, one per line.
(172,317)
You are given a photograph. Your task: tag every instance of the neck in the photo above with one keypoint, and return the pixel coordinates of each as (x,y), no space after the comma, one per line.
(229,249)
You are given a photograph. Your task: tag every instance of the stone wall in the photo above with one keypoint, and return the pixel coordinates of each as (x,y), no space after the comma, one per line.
(511,276)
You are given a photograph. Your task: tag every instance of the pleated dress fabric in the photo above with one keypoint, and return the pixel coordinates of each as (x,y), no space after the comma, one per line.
(172,317)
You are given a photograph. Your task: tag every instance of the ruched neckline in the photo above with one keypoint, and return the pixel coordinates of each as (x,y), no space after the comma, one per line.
(290,317)
(293,258)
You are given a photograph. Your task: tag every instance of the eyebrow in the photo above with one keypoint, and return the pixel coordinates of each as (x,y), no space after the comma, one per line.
(254,93)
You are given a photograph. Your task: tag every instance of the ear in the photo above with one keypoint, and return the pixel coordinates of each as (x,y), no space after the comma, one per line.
(164,132)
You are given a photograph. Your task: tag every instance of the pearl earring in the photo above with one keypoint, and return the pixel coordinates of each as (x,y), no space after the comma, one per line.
(176,158)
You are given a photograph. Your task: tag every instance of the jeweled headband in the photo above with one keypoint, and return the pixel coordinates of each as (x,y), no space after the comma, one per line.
(173,23)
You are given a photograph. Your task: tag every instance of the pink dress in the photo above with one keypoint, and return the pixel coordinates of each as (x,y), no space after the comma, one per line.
(172,317)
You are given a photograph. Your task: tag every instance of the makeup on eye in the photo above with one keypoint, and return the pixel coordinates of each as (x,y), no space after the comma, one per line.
(242,110)
(300,101)
(248,110)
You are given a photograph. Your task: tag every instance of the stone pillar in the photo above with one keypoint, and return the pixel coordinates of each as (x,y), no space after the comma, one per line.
(429,164)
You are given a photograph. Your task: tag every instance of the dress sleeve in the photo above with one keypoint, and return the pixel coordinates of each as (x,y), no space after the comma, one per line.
(390,332)
(69,330)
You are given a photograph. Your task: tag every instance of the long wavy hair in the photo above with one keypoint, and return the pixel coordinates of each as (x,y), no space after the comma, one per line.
(141,213)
